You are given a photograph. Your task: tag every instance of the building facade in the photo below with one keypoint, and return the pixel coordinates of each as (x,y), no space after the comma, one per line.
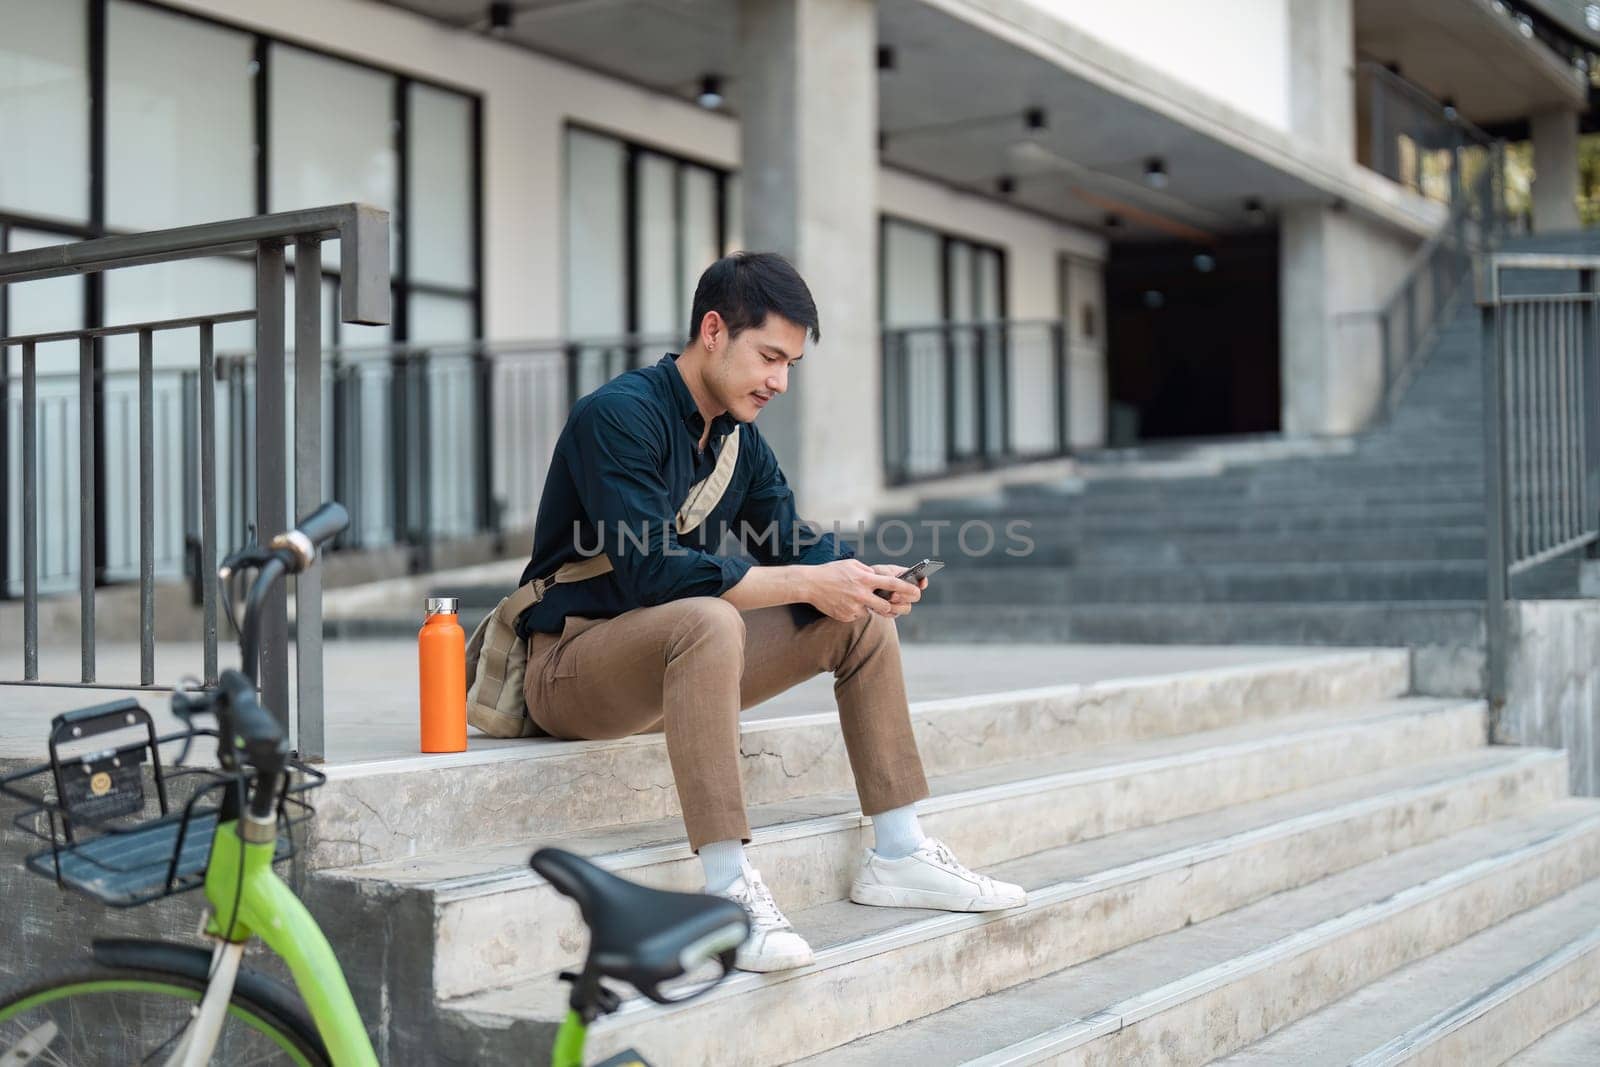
(1032,226)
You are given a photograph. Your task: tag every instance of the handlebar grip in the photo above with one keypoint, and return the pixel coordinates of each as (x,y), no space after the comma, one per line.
(298,547)
(324,524)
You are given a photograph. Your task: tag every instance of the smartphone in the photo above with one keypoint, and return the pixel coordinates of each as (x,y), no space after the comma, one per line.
(916,571)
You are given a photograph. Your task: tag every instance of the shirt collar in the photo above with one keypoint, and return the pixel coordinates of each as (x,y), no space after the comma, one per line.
(687,409)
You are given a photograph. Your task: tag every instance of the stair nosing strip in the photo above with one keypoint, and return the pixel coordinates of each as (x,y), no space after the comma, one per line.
(1123,874)
(1480,1004)
(1145,1005)
(513,879)
(1326,659)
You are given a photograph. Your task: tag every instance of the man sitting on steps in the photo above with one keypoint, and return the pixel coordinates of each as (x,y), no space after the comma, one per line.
(680,639)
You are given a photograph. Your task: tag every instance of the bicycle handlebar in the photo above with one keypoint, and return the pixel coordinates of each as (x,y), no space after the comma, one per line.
(312,532)
(248,732)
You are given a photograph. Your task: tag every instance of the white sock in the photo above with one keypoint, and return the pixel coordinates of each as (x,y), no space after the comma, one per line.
(898,833)
(724,863)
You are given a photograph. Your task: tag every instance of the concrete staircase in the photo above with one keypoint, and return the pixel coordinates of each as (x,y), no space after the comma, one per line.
(1215,859)
(1380,545)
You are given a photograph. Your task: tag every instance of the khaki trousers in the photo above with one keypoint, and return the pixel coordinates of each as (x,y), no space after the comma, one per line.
(689,667)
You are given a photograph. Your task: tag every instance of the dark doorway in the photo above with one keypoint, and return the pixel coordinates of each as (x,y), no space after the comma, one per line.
(1192,342)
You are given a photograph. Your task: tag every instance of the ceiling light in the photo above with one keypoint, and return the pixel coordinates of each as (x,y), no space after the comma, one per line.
(1205,263)
(1254,212)
(710,92)
(886,57)
(1006,184)
(1034,119)
(500,15)
(1113,222)
(1155,174)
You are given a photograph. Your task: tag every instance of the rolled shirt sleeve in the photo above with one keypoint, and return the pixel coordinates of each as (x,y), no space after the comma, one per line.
(621,488)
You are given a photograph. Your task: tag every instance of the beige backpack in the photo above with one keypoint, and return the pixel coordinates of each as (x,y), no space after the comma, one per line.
(497,658)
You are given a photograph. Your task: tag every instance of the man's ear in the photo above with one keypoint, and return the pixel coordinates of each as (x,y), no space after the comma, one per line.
(713,331)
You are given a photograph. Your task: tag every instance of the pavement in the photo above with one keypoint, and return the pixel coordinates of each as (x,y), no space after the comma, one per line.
(371,686)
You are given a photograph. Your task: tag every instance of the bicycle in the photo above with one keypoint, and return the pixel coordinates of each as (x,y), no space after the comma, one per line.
(222,830)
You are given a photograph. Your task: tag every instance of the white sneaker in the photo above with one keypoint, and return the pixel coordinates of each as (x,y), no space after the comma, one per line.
(931,878)
(772,945)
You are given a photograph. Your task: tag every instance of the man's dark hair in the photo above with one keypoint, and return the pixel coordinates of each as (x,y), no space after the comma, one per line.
(746,287)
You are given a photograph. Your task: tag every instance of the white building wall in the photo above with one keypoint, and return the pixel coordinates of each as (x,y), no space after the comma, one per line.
(1234,50)
(528,99)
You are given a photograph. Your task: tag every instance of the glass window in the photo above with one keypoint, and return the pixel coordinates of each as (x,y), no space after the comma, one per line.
(699,234)
(734,219)
(441,187)
(46,306)
(441,318)
(331,136)
(180,122)
(596,239)
(176,290)
(44,109)
(676,235)
(913,292)
(656,277)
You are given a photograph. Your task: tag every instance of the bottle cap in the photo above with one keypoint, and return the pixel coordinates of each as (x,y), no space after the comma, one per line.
(444,605)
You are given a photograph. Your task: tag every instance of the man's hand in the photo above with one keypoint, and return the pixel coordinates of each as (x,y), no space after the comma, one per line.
(847,590)
(903,594)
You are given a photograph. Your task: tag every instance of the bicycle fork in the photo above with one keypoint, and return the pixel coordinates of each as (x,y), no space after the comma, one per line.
(200,1037)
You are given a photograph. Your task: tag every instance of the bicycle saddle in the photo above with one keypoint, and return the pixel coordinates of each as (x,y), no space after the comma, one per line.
(644,936)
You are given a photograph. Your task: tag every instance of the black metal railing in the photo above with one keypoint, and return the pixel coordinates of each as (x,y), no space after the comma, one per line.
(1415,140)
(1408,319)
(970,396)
(77,406)
(1541,374)
(433,443)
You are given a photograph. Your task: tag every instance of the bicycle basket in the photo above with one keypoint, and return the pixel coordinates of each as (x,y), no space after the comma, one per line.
(123,826)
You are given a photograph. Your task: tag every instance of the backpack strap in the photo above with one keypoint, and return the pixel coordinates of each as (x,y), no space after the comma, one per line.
(703,498)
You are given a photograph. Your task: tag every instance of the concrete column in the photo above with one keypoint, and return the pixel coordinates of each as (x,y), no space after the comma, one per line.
(808,105)
(1336,269)
(1555,167)
(1322,90)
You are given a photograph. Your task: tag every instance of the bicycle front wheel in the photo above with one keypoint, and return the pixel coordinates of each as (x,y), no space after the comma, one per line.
(108,1016)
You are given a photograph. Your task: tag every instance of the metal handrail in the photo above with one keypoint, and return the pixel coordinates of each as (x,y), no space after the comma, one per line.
(363,233)
(1422,298)
(1541,381)
(949,405)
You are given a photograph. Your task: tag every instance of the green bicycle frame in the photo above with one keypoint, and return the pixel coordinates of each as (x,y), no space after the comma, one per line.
(247,898)
(568,1050)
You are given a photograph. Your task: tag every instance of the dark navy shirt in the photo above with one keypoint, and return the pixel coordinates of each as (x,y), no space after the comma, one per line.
(622,467)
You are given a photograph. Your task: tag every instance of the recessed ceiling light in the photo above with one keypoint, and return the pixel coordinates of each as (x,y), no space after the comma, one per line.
(501,14)
(710,92)
(1155,174)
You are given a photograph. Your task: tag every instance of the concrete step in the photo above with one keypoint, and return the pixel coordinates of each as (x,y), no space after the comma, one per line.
(496,922)
(1253,493)
(1232,977)
(388,809)
(1221,520)
(1480,1001)
(1447,544)
(1245,915)
(1445,638)
(973,583)
(1573,1045)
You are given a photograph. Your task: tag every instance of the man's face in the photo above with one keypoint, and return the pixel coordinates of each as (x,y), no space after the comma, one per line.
(753,368)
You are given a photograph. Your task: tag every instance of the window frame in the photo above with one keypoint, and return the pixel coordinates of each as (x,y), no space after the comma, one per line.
(632,152)
(97,14)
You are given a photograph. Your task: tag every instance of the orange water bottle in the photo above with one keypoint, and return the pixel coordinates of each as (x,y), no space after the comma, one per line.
(442,658)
